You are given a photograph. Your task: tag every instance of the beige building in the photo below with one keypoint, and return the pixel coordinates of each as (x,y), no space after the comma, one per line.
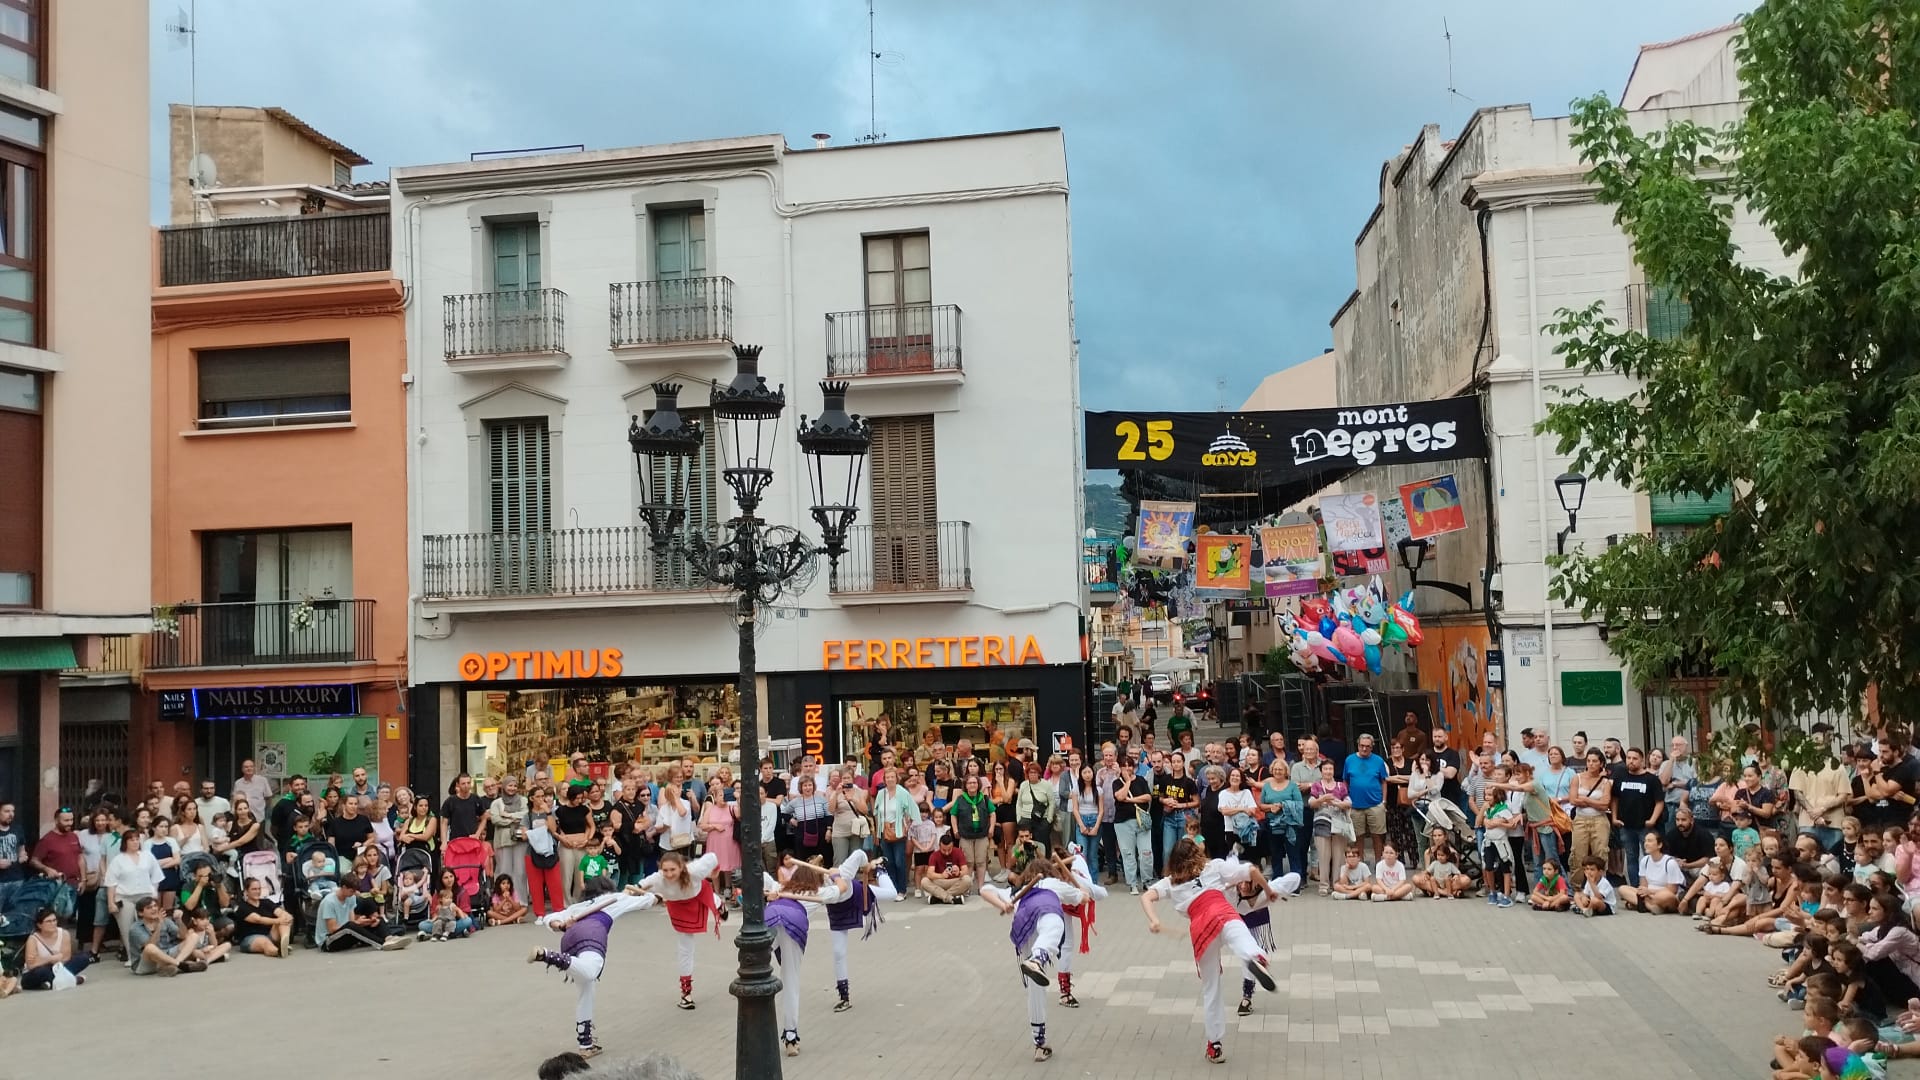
(240,161)
(74,263)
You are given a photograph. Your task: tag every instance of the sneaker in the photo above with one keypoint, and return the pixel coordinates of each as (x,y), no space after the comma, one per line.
(1493,899)
(959,901)
(1257,967)
(395,943)
(424,935)
(900,898)
(1505,900)
(1587,913)
(842,1005)
(1377,896)
(1216,1054)
(1246,1006)
(1133,890)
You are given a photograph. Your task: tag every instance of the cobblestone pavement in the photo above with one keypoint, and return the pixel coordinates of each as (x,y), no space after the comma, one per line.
(1436,989)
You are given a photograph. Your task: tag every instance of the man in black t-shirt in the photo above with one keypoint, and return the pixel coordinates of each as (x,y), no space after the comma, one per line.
(280,817)
(1891,786)
(1446,764)
(1638,802)
(463,813)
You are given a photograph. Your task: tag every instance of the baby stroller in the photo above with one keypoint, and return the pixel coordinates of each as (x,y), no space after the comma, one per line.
(470,859)
(311,885)
(264,865)
(412,885)
(1443,814)
(19,903)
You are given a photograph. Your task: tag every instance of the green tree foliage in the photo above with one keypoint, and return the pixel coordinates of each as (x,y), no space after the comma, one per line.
(1799,393)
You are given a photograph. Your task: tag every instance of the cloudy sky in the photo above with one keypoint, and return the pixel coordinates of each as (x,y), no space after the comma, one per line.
(1223,153)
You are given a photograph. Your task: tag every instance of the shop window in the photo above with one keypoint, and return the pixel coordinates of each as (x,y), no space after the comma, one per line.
(517,730)
(921,724)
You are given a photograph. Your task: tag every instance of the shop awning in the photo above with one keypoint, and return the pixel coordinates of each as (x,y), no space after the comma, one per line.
(36,654)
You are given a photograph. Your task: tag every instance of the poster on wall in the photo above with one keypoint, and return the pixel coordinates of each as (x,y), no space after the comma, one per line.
(1163,531)
(272,758)
(1433,507)
(1352,521)
(1290,561)
(1097,557)
(1360,563)
(1453,664)
(1223,562)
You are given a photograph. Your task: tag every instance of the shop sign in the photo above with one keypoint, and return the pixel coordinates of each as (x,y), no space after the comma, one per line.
(248,702)
(536,665)
(813,719)
(902,654)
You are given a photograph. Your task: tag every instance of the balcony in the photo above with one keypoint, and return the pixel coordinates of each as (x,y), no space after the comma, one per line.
(263,249)
(915,345)
(116,659)
(524,330)
(686,319)
(263,633)
(911,564)
(585,564)
(1658,311)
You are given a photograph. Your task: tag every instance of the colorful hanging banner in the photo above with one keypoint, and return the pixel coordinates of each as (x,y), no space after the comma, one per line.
(1290,559)
(1097,558)
(1163,531)
(1352,522)
(1223,562)
(1433,507)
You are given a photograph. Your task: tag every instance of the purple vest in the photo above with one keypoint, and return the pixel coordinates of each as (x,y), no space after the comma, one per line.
(588,934)
(788,915)
(856,909)
(1033,904)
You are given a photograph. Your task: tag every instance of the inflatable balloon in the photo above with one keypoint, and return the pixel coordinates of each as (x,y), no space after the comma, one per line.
(1392,633)
(1372,611)
(1373,659)
(1370,637)
(1327,654)
(1347,641)
(1406,599)
(1409,623)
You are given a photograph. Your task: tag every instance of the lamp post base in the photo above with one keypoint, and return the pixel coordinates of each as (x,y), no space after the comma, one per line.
(758,1038)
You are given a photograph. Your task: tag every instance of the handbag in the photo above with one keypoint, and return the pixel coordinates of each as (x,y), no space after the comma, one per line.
(1558,818)
(811,832)
(862,826)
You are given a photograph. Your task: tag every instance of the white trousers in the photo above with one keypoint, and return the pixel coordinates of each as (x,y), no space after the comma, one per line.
(683,951)
(1235,940)
(786,1004)
(584,974)
(840,955)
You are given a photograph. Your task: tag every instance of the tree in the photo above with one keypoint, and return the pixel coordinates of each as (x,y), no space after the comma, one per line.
(1799,394)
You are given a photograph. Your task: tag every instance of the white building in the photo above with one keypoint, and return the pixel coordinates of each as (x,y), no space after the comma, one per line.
(548,292)
(1414,329)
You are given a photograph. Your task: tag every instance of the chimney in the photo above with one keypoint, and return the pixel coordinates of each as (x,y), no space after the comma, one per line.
(821,139)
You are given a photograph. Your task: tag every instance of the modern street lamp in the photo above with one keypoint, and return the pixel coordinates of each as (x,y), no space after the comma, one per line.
(1413,555)
(757,562)
(1572,487)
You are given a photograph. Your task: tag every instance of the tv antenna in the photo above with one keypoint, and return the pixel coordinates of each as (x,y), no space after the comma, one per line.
(185,34)
(1451,89)
(874,134)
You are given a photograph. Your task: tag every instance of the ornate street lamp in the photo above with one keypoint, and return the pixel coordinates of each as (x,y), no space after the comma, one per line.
(757,562)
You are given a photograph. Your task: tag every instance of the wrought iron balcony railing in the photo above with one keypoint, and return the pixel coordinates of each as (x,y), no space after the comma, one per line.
(672,312)
(606,561)
(1658,311)
(505,323)
(933,557)
(260,249)
(262,633)
(915,338)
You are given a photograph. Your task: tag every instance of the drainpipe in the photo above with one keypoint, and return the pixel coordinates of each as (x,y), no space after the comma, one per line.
(1540,480)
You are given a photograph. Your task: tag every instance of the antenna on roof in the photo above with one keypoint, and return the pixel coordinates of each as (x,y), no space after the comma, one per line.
(1451,89)
(186,35)
(874,134)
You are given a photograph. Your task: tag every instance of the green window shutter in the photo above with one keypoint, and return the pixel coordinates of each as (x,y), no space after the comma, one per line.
(1689,509)
(1668,313)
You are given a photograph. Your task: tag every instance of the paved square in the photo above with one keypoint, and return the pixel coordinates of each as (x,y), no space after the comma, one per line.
(1431,989)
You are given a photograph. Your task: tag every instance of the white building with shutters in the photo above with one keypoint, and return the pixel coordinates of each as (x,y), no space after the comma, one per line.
(547,293)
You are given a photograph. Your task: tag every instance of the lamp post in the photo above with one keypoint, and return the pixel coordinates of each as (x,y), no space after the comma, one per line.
(756,562)
(1413,555)
(1572,487)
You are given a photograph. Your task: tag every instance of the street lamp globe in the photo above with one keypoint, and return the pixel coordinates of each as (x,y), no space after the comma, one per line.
(752,410)
(664,445)
(835,445)
(1572,487)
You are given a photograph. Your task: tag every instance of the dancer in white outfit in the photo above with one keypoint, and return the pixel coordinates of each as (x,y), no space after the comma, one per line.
(1197,888)
(1251,898)
(1082,914)
(787,917)
(862,891)
(691,907)
(1039,928)
(582,955)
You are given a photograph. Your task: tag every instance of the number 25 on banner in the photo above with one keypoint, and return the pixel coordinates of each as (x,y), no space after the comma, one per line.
(1159,440)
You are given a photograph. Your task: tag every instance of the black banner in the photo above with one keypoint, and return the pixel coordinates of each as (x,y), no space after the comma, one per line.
(1291,443)
(247,702)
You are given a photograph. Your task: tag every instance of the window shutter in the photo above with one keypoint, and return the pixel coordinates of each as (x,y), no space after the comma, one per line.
(20,504)
(519,504)
(1689,509)
(319,369)
(905,502)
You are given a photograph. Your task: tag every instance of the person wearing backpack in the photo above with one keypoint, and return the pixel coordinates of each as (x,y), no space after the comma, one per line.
(972,813)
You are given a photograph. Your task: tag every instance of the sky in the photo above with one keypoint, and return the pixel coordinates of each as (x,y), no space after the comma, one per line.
(1222,154)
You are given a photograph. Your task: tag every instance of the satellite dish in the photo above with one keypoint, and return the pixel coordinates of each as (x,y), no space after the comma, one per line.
(201,173)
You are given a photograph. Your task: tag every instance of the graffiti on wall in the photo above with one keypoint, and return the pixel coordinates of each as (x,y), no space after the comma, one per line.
(1453,664)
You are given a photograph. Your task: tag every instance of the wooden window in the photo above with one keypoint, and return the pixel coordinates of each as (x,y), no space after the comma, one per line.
(682,312)
(342,174)
(906,530)
(275,385)
(899,303)
(22,224)
(21,495)
(520,505)
(22,27)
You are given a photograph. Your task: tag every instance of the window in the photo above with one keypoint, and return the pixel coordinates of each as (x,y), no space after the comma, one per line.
(20,27)
(906,533)
(899,303)
(520,505)
(21,208)
(516,254)
(342,174)
(275,385)
(251,584)
(1664,312)
(20,495)
(1674,516)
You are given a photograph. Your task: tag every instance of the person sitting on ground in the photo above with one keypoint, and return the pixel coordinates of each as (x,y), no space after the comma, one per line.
(1715,890)
(1550,892)
(1390,881)
(260,925)
(948,880)
(1661,880)
(49,945)
(1596,895)
(1354,879)
(1820,1017)
(594,862)
(341,924)
(1800,1059)
(503,906)
(207,949)
(156,942)
(1442,878)
(445,918)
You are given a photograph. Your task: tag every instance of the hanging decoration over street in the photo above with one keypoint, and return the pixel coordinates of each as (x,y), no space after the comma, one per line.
(1290,562)
(1165,530)
(1223,563)
(1352,521)
(1433,507)
(1290,442)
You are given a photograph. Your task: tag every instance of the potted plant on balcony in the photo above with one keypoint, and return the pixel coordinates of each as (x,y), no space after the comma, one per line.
(300,616)
(326,601)
(166,620)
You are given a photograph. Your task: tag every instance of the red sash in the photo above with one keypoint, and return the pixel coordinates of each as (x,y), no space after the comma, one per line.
(1209,912)
(1084,912)
(692,916)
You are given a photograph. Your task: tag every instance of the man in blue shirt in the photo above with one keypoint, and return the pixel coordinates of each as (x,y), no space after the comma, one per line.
(342,923)
(1367,786)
